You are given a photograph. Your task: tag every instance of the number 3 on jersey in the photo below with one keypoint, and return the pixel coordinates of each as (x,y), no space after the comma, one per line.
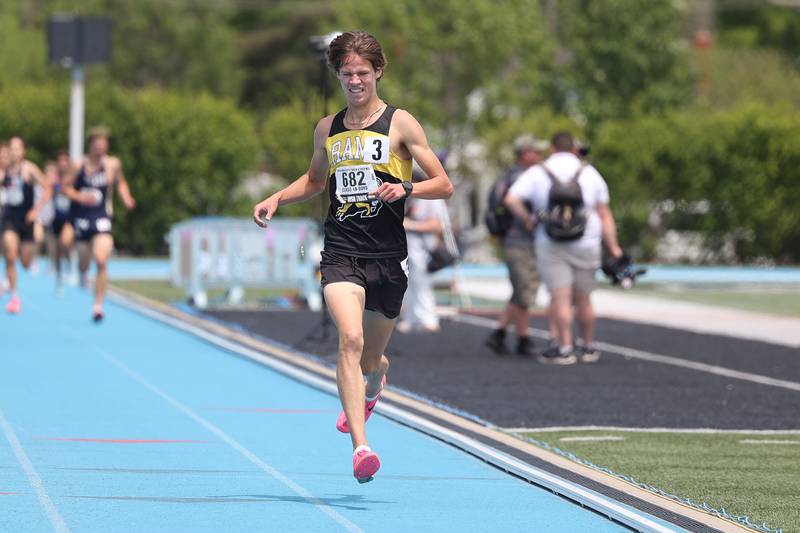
(376,150)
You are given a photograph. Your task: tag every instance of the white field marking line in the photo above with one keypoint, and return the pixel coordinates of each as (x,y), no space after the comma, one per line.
(33,478)
(591,438)
(511,464)
(230,441)
(588,498)
(654,357)
(704,431)
(765,441)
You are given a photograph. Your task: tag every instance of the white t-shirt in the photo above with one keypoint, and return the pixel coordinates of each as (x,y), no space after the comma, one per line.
(420,209)
(534,186)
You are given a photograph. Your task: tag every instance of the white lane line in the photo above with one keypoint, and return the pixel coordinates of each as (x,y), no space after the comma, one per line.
(653,357)
(631,516)
(708,431)
(230,441)
(591,438)
(33,478)
(765,441)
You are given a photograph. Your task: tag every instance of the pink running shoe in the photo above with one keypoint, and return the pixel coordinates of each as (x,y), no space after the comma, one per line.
(365,464)
(341,421)
(14,305)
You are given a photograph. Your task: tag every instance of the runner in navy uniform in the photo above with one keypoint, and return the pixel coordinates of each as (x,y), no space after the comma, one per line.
(61,234)
(91,193)
(364,155)
(19,213)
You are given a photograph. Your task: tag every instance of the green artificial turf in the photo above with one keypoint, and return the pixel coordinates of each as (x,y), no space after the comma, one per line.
(761,481)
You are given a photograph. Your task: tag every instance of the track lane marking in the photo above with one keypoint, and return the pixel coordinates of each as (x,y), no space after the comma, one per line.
(705,431)
(33,478)
(652,357)
(227,439)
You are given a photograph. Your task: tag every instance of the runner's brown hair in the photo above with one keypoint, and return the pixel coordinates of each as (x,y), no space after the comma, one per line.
(356,42)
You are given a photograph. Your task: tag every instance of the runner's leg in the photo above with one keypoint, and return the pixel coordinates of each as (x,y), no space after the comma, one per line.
(102,245)
(345,302)
(10,251)
(374,363)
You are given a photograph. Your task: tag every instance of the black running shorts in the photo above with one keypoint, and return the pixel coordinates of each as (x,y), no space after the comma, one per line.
(57,226)
(384,280)
(18,226)
(86,228)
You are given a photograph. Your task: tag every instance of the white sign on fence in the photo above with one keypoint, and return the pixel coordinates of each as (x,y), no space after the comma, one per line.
(234,253)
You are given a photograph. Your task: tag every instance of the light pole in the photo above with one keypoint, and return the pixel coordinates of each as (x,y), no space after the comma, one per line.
(74,42)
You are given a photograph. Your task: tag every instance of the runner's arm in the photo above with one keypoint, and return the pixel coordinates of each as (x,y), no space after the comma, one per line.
(69,190)
(123,190)
(47,191)
(438,184)
(306,186)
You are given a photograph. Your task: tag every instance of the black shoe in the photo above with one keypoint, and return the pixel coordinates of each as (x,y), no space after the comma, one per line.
(497,342)
(553,356)
(525,347)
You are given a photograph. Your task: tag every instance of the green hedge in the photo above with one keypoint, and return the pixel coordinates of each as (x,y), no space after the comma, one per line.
(744,162)
(183,155)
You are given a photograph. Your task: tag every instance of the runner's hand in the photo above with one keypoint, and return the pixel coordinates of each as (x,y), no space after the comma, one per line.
(30,216)
(263,211)
(389,192)
(130,203)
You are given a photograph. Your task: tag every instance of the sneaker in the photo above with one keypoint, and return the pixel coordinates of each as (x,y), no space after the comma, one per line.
(341,421)
(14,305)
(497,342)
(553,356)
(365,464)
(588,354)
(525,347)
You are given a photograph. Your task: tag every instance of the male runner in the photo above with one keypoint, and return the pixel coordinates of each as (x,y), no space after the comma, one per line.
(60,232)
(91,191)
(365,151)
(20,213)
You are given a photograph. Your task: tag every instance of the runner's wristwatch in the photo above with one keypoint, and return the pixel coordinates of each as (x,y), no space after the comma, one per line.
(408,187)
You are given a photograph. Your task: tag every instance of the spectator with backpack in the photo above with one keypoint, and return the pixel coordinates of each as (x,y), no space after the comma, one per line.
(518,252)
(572,220)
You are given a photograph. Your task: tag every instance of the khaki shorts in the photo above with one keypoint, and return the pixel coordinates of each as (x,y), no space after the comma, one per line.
(566,265)
(521,262)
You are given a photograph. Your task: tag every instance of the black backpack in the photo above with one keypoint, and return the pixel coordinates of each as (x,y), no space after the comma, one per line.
(565,216)
(498,218)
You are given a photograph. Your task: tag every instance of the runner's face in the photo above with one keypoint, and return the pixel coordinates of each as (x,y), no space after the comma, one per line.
(359,80)
(63,163)
(16,149)
(99,146)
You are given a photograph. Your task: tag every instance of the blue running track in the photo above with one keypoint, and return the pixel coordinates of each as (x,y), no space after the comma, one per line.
(133,425)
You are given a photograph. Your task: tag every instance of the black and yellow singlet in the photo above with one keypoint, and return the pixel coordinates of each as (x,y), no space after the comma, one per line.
(359,161)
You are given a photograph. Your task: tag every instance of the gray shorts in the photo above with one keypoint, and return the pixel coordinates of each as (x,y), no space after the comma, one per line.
(566,265)
(521,262)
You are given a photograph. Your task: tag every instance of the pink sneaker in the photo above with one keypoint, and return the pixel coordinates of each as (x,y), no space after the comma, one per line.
(14,305)
(341,421)
(365,464)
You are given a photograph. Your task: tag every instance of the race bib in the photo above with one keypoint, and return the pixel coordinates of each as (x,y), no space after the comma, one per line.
(14,196)
(354,182)
(62,203)
(97,194)
(376,149)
